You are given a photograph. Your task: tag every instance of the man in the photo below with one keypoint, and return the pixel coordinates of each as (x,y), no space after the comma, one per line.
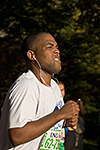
(33,111)
(62,88)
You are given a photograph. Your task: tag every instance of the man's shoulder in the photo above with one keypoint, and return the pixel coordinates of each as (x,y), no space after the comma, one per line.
(24,81)
(54,83)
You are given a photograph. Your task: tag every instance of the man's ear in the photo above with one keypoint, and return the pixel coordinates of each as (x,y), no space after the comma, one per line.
(30,55)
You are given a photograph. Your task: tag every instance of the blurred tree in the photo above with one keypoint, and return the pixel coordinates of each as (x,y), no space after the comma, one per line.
(76,27)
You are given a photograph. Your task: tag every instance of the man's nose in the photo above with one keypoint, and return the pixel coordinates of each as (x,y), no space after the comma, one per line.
(56,51)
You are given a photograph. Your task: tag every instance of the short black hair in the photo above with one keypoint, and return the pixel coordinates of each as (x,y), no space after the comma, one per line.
(30,44)
(60,82)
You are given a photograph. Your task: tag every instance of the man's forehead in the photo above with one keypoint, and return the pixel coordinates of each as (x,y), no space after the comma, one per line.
(47,39)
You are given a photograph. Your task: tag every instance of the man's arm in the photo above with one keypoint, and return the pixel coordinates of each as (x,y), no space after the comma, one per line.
(34,129)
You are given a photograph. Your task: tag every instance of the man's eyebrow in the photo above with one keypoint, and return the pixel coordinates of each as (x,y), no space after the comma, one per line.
(51,44)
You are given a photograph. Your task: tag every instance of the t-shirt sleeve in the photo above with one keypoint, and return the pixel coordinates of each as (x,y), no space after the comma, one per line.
(22,104)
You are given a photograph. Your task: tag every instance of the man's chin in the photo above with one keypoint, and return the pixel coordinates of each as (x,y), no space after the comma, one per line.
(58,70)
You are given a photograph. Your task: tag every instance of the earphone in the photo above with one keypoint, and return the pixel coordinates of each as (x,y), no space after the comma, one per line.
(40,70)
(34,57)
(37,62)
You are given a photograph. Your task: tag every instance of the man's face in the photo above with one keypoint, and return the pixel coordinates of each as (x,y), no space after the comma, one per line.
(62,89)
(48,54)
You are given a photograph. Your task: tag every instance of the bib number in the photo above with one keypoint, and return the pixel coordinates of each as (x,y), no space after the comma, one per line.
(51,140)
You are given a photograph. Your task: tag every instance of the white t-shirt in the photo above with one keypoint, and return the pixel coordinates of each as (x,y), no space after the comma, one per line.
(28,100)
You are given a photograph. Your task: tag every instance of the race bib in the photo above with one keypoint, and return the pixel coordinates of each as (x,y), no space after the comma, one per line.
(51,140)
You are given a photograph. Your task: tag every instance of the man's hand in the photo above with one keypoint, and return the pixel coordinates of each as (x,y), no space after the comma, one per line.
(70,111)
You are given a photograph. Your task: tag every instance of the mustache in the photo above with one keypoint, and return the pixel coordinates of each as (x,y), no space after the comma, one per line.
(57,55)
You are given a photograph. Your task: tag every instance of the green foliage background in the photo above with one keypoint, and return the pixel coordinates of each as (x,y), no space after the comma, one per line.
(75,24)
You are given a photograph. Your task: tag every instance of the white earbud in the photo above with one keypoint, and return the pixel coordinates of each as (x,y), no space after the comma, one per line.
(34,57)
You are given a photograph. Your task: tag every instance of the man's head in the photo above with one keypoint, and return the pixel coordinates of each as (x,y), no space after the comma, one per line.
(44,48)
(62,88)
(30,43)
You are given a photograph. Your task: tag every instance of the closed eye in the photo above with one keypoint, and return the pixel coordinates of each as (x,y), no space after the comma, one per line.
(49,45)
